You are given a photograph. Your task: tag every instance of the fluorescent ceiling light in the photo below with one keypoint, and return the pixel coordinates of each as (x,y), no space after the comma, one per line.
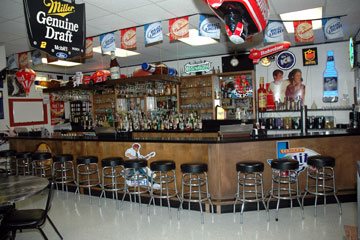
(313,13)
(195,40)
(62,63)
(118,52)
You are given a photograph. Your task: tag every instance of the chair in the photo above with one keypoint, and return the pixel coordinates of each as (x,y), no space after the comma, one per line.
(31,218)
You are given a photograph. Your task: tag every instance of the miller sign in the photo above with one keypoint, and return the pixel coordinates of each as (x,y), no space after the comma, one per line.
(56,27)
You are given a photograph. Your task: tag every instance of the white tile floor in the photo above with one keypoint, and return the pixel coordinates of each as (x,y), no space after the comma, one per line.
(78,219)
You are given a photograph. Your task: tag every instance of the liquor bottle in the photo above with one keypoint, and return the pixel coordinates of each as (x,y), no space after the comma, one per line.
(159,69)
(114,67)
(262,95)
(330,93)
(270,104)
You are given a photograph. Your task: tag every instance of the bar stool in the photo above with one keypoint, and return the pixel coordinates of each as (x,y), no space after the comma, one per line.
(23,162)
(195,176)
(285,176)
(250,180)
(112,168)
(41,163)
(136,178)
(321,169)
(7,157)
(163,174)
(87,166)
(63,170)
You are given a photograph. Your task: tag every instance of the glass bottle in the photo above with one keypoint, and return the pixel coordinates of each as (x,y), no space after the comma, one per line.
(114,67)
(262,95)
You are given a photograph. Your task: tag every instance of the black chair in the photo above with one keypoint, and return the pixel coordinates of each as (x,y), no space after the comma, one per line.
(31,218)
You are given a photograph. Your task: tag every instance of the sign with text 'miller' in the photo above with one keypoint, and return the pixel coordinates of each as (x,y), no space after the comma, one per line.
(56,27)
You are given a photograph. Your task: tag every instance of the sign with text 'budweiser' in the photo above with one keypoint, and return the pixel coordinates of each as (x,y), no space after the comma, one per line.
(179,28)
(56,27)
(128,38)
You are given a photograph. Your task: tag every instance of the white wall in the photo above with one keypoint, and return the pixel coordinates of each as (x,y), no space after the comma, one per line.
(313,77)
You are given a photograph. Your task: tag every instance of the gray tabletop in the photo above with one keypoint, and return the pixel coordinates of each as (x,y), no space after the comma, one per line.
(17,188)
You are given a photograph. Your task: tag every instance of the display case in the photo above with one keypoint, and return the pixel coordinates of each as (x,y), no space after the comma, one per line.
(197,94)
(104,106)
(235,93)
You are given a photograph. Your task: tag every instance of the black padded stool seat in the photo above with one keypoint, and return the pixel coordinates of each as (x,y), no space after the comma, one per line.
(135,163)
(249,167)
(320,161)
(7,153)
(284,164)
(162,165)
(112,162)
(194,167)
(63,158)
(24,154)
(86,160)
(41,156)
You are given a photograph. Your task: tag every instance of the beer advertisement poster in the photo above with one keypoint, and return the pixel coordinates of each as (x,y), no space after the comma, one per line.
(89,44)
(153,33)
(209,26)
(57,109)
(274,32)
(23,59)
(107,42)
(179,28)
(304,31)
(128,38)
(310,56)
(36,57)
(11,63)
(332,28)
(56,27)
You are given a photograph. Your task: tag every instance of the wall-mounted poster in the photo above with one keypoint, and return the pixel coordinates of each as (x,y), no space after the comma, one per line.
(15,89)
(310,56)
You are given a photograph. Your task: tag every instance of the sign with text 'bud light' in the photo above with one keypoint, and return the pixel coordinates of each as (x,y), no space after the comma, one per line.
(274,32)
(332,28)
(153,32)
(56,27)
(209,26)
(107,42)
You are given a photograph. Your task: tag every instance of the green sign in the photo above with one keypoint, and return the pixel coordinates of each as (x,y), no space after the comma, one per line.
(197,67)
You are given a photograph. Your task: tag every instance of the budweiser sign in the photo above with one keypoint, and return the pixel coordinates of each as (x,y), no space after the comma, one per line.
(257,54)
(128,38)
(179,28)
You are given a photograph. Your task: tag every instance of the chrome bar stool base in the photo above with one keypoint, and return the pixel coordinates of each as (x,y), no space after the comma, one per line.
(24,163)
(42,164)
(321,170)
(87,166)
(7,158)
(63,170)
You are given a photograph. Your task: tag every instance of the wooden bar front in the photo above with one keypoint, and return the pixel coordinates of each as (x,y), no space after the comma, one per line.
(221,157)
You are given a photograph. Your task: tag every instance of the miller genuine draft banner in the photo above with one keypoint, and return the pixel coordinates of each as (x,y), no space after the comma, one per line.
(56,27)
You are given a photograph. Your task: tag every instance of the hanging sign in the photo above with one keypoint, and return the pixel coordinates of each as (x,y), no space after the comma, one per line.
(332,28)
(36,57)
(303,31)
(257,54)
(11,63)
(107,42)
(197,67)
(310,56)
(128,38)
(153,33)
(274,32)
(209,26)
(26,77)
(56,27)
(179,28)
(89,44)
(57,110)
(23,59)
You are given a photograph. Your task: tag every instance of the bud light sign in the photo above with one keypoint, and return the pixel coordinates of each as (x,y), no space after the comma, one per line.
(274,32)
(153,32)
(332,28)
(209,26)
(107,42)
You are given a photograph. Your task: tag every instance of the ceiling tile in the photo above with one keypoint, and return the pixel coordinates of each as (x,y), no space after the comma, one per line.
(10,9)
(183,8)
(110,22)
(283,6)
(7,37)
(115,6)
(94,12)
(16,28)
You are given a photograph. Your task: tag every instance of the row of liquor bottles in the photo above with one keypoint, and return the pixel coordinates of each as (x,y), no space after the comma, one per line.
(157,121)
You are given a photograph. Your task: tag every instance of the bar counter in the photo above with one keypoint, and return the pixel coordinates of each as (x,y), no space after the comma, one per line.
(220,155)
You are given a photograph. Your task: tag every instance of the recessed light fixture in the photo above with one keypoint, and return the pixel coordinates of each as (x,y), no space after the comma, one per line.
(61,63)
(313,13)
(195,40)
(118,52)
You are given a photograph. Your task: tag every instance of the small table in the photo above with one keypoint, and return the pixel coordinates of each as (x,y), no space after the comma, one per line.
(17,188)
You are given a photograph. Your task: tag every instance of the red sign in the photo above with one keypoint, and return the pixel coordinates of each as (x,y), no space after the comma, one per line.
(128,38)
(23,60)
(57,110)
(179,28)
(256,54)
(26,77)
(303,31)
(89,44)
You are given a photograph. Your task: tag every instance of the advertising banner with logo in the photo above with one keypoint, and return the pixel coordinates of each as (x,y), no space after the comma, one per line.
(274,32)
(310,56)
(179,28)
(128,38)
(11,63)
(107,42)
(56,27)
(89,44)
(23,59)
(36,57)
(153,33)
(332,28)
(209,26)
(303,31)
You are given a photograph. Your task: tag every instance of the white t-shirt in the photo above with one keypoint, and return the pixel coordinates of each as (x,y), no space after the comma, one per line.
(279,90)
